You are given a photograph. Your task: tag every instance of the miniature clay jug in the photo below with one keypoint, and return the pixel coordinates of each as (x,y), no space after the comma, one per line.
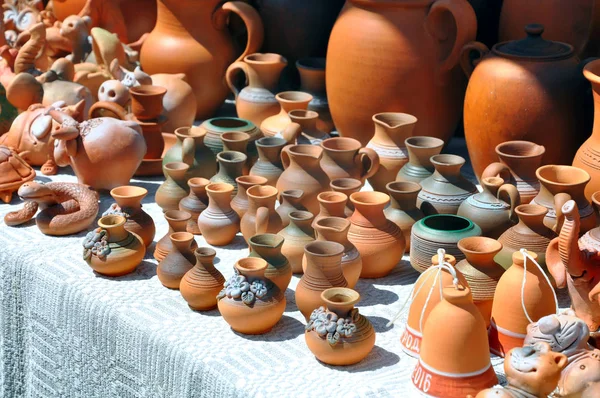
(237,141)
(269,163)
(195,203)
(417,48)
(231,166)
(331,204)
(303,171)
(481,271)
(419,166)
(445,190)
(523,295)
(250,303)
(391,131)
(197,33)
(346,186)
(518,162)
(190,149)
(291,200)
(240,202)
(219,223)
(354,336)
(488,209)
(146,102)
(309,132)
(256,101)
(177,221)
(174,188)
(200,285)
(269,248)
(178,262)
(379,241)
(129,204)
(261,216)
(288,101)
(323,271)
(345,158)
(403,210)
(297,234)
(312,81)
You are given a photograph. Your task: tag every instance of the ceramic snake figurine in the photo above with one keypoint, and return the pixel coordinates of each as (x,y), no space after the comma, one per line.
(66,208)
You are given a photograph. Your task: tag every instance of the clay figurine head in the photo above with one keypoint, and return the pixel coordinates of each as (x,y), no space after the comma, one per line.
(565,333)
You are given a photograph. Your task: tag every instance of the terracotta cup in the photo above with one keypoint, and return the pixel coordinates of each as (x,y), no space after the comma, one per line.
(146,101)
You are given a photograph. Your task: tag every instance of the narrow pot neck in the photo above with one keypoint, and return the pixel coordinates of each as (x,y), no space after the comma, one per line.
(403,200)
(116,233)
(368,215)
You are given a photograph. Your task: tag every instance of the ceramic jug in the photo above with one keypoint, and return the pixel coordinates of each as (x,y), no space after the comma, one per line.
(174,188)
(237,141)
(331,204)
(297,234)
(269,247)
(291,200)
(177,221)
(345,158)
(240,202)
(195,203)
(309,132)
(231,166)
(288,101)
(219,223)
(261,216)
(419,166)
(190,149)
(269,163)
(346,186)
(312,81)
(403,210)
(200,285)
(129,203)
(178,262)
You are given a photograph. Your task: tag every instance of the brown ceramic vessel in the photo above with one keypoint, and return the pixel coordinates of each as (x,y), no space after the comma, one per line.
(240,202)
(170,193)
(420,150)
(261,216)
(219,223)
(177,221)
(269,248)
(178,262)
(297,234)
(200,285)
(195,203)
(129,201)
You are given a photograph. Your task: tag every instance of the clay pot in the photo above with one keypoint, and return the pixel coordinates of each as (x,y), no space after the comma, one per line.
(445,190)
(178,262)
(256,101)
(240,202)
(344,158)
(350,343)
(488,210)
(443,368)
(177,221)
(261,216)
(323,271)
(530,233)
(111,250)
(235,141)
(129,201)
(231,166)
(146,101)
(309,132)
(346,186)
(439,231)
(254,313)
(335,229)
(219,223)
(518,162)
(403,210)
(381,53)
(481,271)
(558,185)
(200,285)
(195,203)
(288,101)
(269,163)
(297,234)
(174,188)
(303,171)
(312,81)
(379,241)
(291,200)
(269,248)
(509,322)
(391,131)
(191,150)
(219,125)
(331,204)
(419,166)
(178,28)
(530,89)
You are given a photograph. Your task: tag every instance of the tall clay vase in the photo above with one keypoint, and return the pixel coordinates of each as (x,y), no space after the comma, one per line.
(195,203)
(170,193)
(303,171)
(190,149)
(391,131)
(518,162)
(288,101)
(331,204)
(459,364)
(419,166)
(312,81)
(198,34)
(269,163)
(219,223)
(177,221)
(345,158)
(309,132)
(323,271)
(200,285)
(129,199)
(256,313)
(297,234)
(346,186)
(231,166)
(111,250)
(261,216)
(403,210)
(446,189)
(178,262)
(256,101)
(381,53)
(517,289)
(240,202)
(269,248)
(291,200)
(481,271)
(347,348)
(379,241)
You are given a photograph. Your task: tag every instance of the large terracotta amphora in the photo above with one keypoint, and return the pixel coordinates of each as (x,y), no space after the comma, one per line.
(398,56)
(191,37)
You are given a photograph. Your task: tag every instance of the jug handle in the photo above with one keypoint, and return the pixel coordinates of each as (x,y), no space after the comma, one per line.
(262,220)
(514,199)
(98,109)
(497,169)
(251,19)
(285,157)
(559,200)
(467,62)
(466,27)
(373,162)
(188,150)
(230,73)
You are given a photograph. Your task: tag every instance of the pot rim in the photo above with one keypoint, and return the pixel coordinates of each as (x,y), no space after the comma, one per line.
(111,221)
(262,192)
(320,248)
(204,251)
(420,141)
(128,191)
(267,240)
(351,296)
(146,90)
(499,149)
(410,187)
(197,182)
(250,181)
(467,245)
(370,198)
(175,166)
(229,136)
(332,197)
(584,175)
(219,187)
(353,183)
(447,159)
(341,144)
(271,142)
(181,236)
(468,224)
(300,215)
(265,58)
(293,97)
(394,119)
(231,156)
(177,215)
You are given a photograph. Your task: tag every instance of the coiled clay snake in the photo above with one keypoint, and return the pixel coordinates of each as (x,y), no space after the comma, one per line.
(66,208)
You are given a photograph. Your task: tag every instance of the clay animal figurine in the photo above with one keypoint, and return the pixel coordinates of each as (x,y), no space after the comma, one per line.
(66,208)
(77,30)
